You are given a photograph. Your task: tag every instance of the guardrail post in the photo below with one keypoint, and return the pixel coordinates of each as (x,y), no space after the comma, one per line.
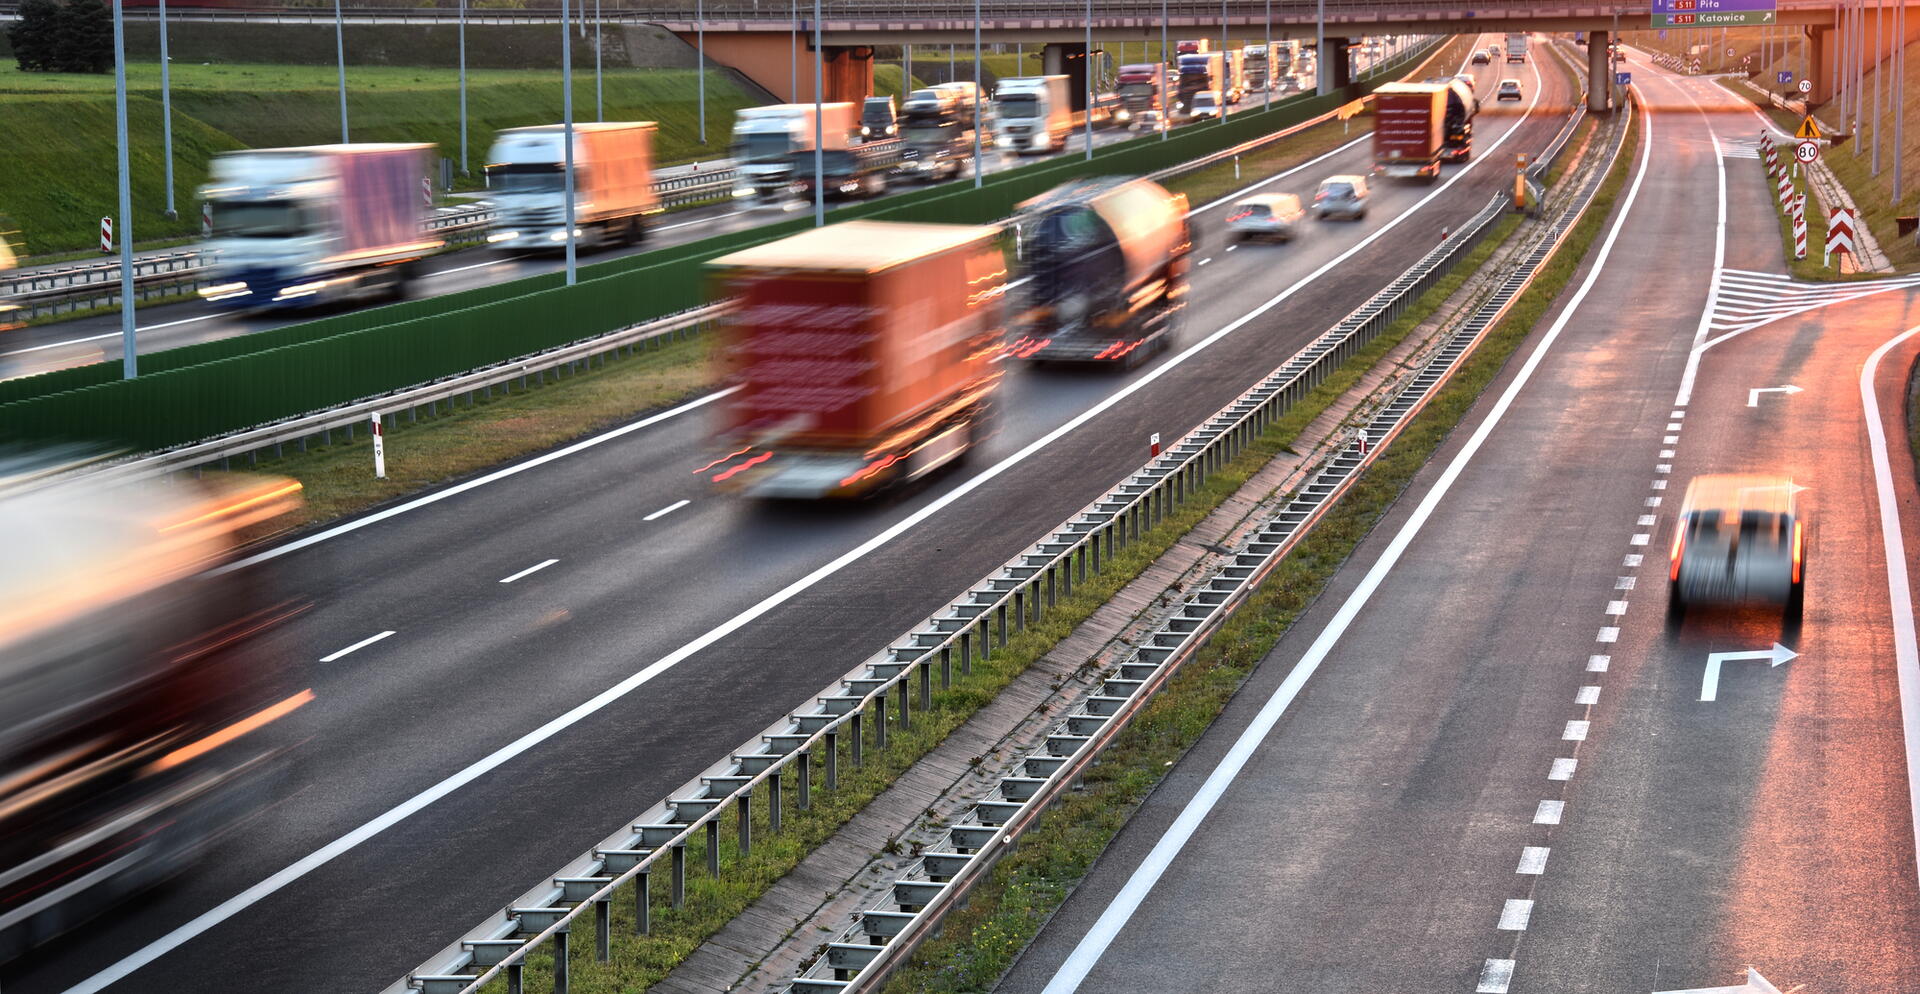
(713,848)
(1066,574)
(745,804)
(833,760)
(926,678)
(905,721)
(773,801)
(880,722)
(1080,562)
(1094,547)
(966,660)
(603,931)
(515,981)
(560,961)
(1019,614)
(986,648)
(805,783)
(859,737)
(679,874)
(643,903)
(1052,595)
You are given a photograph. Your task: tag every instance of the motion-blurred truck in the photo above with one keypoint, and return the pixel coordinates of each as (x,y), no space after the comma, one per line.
(140,706)
(970,106)
(1034,114)
(1517,47)
(613,196)
(1198,72)
(934,146)
(1140,88)
(1193,46)
(1104,266)
(1255,67)
(1417,126)
(866,354)
(768,143)
(295,227)
(1233,83)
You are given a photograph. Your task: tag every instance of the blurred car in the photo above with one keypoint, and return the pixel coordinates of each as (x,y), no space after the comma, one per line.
(1494,50)
(1151,120)
(878,122)
(1206,103)
(1266,215)
(1739,539)
(1509,90)
(1482,57)
(1341,196)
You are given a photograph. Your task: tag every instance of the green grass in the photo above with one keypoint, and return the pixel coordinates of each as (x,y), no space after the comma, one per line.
(980,942)
(61,182)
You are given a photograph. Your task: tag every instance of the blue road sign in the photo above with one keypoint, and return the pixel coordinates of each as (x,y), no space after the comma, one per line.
(1785,76)
(1623,78)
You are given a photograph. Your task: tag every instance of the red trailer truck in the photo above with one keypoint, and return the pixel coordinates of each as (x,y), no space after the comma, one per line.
(1409,130)
(866,354)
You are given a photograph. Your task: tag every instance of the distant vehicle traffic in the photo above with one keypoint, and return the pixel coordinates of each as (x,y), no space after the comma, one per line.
(933,147)
(1271,216)
(1739,539)
(612,185)
(1256,68)
(1482,57)
(877,120)
(1341,196)
(1141,87)
(1516,47)
(1103,267)
(1193,46)
(1205,103)
(1198,72)
(293,227)
(1033,113)
(770,142)
(865,355)
(1509,90)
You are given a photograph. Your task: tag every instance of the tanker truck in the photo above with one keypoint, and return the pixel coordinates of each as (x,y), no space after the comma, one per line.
(1104,267)
(866,355)
(1420,125)
(612,185)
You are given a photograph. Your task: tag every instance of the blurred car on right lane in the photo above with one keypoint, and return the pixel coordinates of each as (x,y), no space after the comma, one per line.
(1341,196)
(1740,539)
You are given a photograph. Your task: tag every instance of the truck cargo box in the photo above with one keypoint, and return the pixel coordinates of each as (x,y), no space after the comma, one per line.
(1409,128)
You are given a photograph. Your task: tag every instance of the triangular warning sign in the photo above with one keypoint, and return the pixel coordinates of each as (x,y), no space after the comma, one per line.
(1808,129)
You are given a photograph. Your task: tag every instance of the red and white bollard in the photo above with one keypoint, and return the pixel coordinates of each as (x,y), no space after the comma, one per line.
(106,235)
(1153,443)
(206,220)
(426,191)
(379,448)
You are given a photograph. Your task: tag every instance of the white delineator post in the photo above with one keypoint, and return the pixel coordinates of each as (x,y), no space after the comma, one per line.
(379,448)
(1153,443)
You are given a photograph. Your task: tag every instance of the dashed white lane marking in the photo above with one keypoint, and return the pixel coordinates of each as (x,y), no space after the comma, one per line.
(1495,977)
(669,509)
(1677,415)
(1616,608)
(1562,770)
(1666,453)
(1588,694)
(1533,860)
(1670,440)
(1641,539)
(1631,559)
(1659,484)
(1206,260)
(356,647)
(1665,467)
(1673,426)
(529,571)
(1609,634)
(1625,582)
(1648,519)
(1548,813)
(1232,247)
(1598,664)
(1576,731)
(1653,502)
(1514,915)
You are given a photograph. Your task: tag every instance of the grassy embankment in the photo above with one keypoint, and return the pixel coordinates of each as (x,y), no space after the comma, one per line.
(62,176)
(979,942)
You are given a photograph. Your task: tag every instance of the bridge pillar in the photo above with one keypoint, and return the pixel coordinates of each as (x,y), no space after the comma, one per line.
(1333,65)
(1818,40)
(1599,73)
(848,73)
(1068,59)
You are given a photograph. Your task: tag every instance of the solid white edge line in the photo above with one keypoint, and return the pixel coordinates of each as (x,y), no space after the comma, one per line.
(110,334)
(479,481)
(1700,344)
(159,947)
(669,509)
(1094,944)
(1899,591)
(356,647)
(529,571)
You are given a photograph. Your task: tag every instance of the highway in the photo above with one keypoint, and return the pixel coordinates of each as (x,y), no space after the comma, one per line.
(1482,761)
(503,727)
(46,347)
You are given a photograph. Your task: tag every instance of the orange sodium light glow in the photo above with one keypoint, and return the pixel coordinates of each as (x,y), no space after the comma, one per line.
(231,732)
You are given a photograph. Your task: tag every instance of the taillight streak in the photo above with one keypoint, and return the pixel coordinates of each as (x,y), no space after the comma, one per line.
(743,467)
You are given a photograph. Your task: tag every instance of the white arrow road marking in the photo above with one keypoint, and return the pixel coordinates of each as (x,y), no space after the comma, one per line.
(1753,396)
(1710,682)
(1756,984)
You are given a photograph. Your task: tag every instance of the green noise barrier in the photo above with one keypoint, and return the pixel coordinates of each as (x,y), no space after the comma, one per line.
(198,391)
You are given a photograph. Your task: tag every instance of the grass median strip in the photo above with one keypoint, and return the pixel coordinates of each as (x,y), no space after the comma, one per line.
(980,942)
(640,961)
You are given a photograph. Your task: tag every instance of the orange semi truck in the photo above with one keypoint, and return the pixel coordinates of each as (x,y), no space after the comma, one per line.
(1418,126)
(866,354)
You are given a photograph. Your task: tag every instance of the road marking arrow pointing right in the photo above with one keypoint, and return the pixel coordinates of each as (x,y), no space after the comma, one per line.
(1756,984)
(1753,396)
(1710,680)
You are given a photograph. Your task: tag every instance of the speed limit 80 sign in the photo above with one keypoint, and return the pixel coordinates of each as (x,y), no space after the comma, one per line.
(1806,151)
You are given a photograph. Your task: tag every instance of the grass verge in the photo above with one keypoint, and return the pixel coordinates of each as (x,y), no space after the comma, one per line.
(641,961)
(980,942)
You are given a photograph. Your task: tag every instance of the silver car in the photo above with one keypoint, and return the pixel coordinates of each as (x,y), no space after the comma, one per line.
(1265,215)
(1341,196)
(1739,539)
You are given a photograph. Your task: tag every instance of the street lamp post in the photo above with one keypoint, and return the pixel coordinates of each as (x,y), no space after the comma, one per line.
(1166,101)
(340,56)
(819,131)
(599,95)
(1086,69)
(1223,61)
(166,109)
(566,128)
(129,357)
(976,94)
(463,87)
(700,68)
(1320,47)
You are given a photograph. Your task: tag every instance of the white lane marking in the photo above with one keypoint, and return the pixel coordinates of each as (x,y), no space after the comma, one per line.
(1495,977)
(357,646)
(1616,608)
(1677,415)
(1576,731)
(1549,812)
(1598,663)
(1608,634)
(1588,694)
(1206,260)
(507,260)
(529,571)
(1533,860)
(1232,247)
(1632,559)
(110,334)
(1647,520)
(1670,440)
(1899,592)
(1563,769)
(702,220)
(500,474)
(1203,208)
(1666,453)
(669,509)
(1673,426)
(1514,915)
(1094,943)
(1625,582)
(1719,260)
(480,767)
(1641,539)
(1663,468)
(1659,484)
(1653,502)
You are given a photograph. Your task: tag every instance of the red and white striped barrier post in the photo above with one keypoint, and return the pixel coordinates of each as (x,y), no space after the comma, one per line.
(379,448)
(1800,226)
(106,235)
(1839,233)
(1786,191)
(206,220)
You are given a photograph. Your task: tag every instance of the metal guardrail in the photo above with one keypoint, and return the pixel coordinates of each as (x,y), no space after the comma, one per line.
(886,936)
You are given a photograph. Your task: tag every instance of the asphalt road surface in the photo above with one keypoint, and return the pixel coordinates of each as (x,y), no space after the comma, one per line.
(1483,761)
(450,765)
